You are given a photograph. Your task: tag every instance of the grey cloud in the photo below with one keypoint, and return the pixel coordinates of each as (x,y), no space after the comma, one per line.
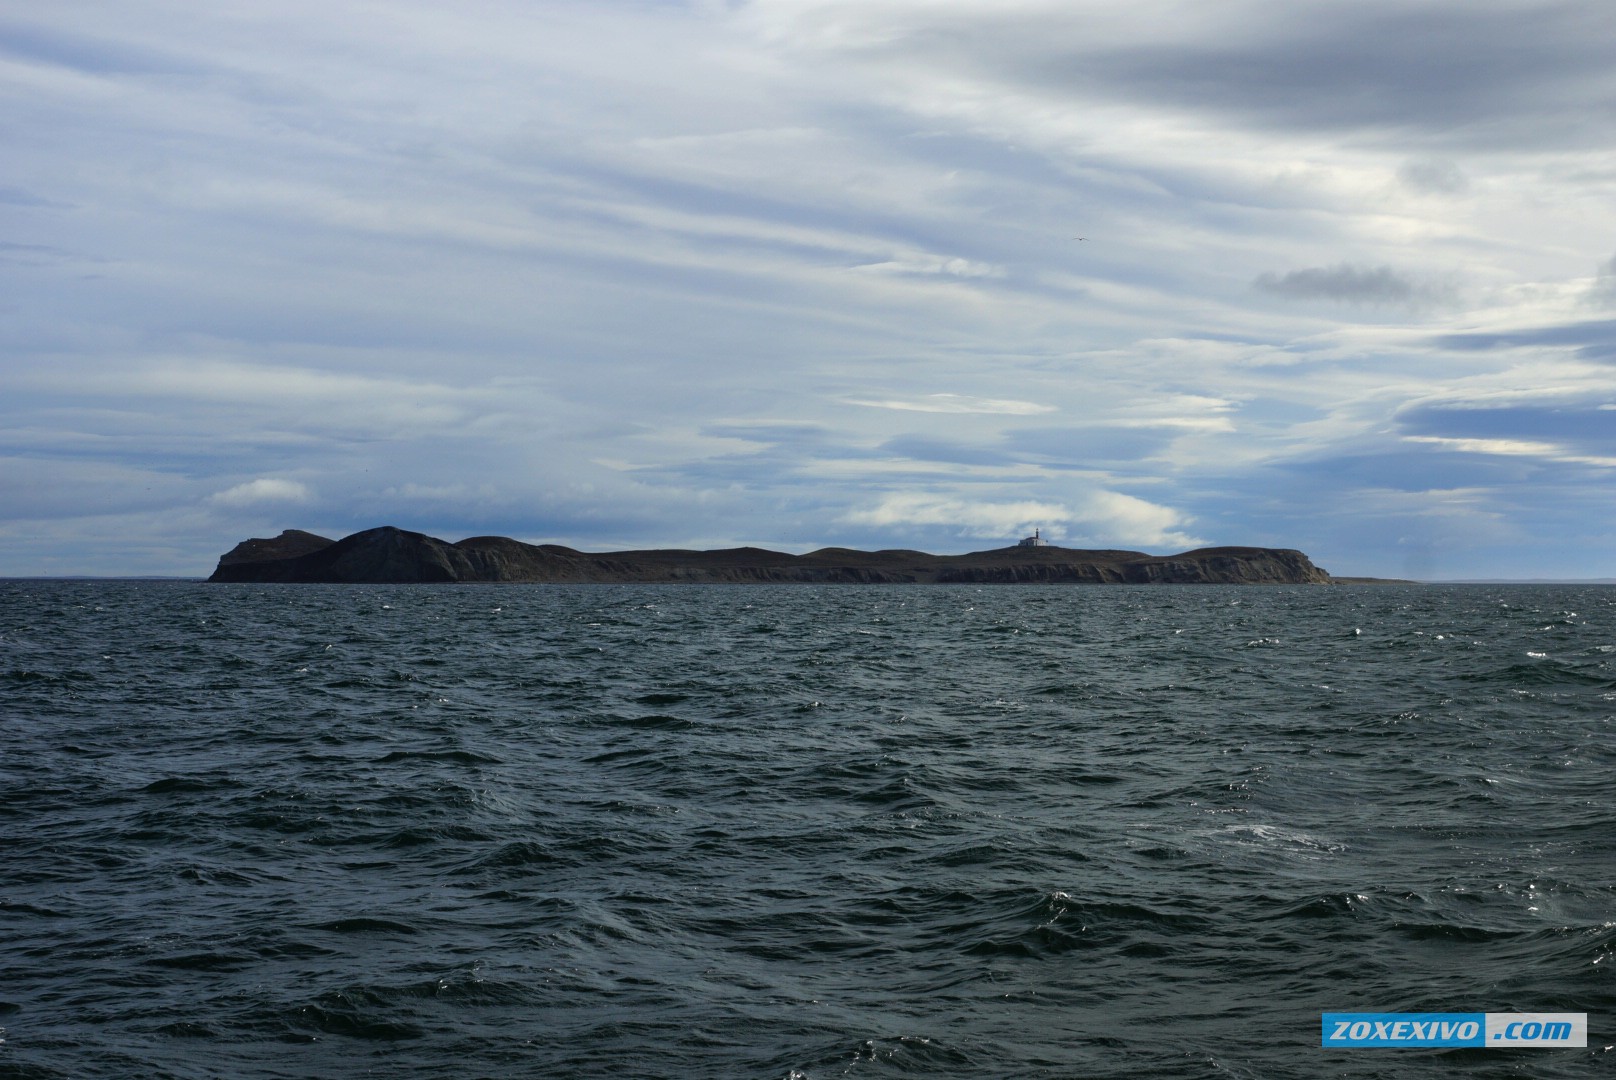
(1603,292)
(1594,340)
(15,196)
(920,448)
(1589,427)
(1437,176)
(1408,468)
(1080,447)
(782,433)
(31,254)
(36,488)
(1451,73)
(1347,284)
(86,52)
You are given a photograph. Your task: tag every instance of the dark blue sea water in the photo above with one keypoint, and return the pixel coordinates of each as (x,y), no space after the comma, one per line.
(798,831)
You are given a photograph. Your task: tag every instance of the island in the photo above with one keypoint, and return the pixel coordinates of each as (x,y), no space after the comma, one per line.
(389,555)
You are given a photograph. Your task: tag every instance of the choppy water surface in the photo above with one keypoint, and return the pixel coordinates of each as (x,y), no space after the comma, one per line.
(797,831)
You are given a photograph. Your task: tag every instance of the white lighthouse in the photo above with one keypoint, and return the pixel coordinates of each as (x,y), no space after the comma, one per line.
(1035,540)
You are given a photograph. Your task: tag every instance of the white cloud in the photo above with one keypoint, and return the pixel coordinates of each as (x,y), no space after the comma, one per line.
(1513,448)
(261,491)
(957,403)
(932,264)
(1114,517)
(1100,516)
(970,518)
(461,493)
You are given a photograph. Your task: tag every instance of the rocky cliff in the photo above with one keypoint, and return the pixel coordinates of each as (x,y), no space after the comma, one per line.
(389,555)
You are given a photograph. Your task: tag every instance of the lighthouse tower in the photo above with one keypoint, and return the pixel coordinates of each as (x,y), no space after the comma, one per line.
(1035,540)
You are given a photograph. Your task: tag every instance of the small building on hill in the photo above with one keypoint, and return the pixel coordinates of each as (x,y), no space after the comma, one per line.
(1035,540)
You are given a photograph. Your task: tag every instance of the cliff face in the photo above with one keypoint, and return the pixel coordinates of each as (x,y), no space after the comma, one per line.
(288,545)
(389,555)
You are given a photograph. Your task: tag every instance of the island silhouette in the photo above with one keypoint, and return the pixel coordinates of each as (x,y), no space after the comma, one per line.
(388,555)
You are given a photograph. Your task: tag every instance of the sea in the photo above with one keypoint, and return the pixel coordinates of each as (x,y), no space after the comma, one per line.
(798,832)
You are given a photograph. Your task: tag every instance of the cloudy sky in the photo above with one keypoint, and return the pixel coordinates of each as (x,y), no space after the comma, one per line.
(701,273)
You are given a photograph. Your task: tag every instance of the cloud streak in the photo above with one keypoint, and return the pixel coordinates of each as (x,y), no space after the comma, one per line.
(957,403)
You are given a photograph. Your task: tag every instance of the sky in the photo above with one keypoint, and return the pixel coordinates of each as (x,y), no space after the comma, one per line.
(1335,276)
